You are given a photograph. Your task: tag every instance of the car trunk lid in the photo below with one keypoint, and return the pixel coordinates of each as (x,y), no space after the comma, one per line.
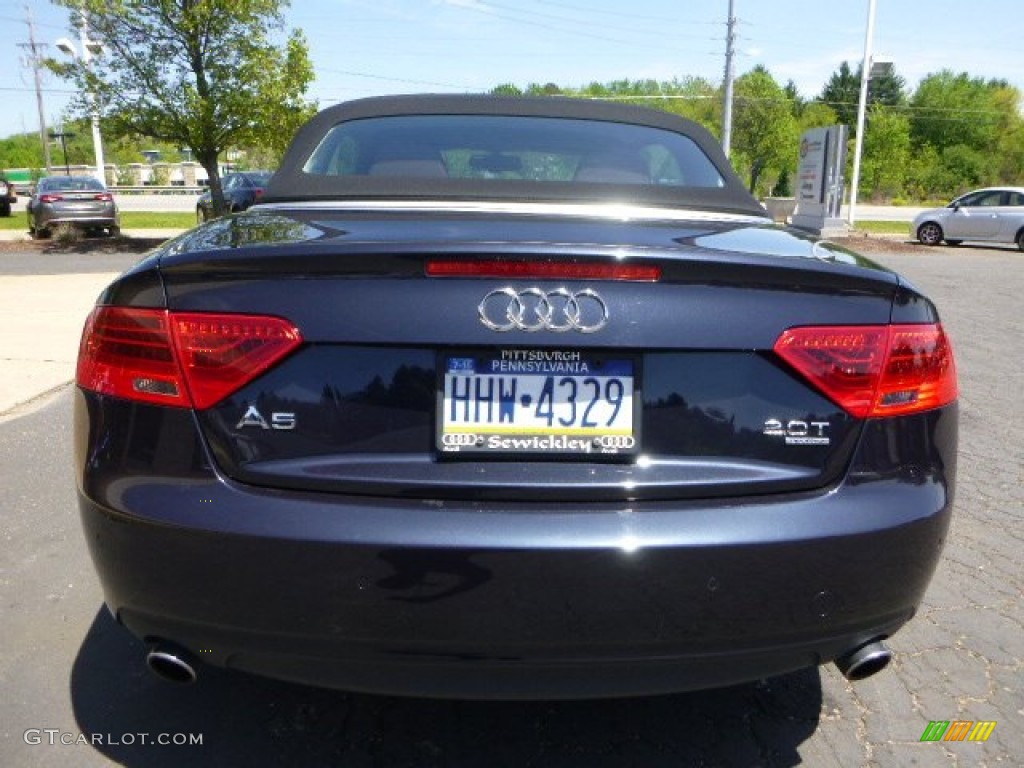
(396,362)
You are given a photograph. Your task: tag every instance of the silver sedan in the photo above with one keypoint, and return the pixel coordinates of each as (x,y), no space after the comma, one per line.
(80,201)
(993,215)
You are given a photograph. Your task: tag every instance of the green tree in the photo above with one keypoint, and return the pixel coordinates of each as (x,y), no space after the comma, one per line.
(1010,157)
(796,101)
(202,74)
(817,115)
(975,128)
(951,108)
(21,151)
(695,98)
(764,129)
(888,90)
(506,89)
(921,172)
(691,97)
(842,92)
(547,89)
(886,153)
(1009,154)
(808,115)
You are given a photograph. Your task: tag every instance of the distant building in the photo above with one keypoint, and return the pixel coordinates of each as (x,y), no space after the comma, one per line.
(183,174)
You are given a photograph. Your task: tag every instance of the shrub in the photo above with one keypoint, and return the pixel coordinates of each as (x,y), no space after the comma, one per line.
(66,234)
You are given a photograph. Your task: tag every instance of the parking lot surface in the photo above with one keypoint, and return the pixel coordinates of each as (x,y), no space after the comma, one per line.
(70,673)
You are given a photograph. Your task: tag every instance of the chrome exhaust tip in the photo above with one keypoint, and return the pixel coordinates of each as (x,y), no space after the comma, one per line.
(171,663)
(864,661)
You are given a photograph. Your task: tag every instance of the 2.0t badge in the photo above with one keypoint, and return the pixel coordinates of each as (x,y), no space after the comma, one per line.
(798,431)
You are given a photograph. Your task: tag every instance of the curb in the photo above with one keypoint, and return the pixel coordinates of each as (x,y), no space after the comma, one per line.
(19,236)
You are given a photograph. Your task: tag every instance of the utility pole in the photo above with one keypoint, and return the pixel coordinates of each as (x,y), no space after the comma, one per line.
(730,41)
(35,57)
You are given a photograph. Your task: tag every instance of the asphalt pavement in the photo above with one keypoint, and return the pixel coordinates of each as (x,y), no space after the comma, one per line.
(76,691)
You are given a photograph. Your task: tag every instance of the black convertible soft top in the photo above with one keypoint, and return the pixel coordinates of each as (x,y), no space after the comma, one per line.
(305,175)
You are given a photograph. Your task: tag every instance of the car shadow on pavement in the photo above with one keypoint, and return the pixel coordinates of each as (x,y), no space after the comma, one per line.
(997,247)
(119,244)
(246,720)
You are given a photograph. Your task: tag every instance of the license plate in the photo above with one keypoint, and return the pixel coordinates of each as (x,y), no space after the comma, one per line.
(554,402)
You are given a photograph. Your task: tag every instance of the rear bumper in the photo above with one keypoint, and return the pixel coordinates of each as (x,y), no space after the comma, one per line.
(45,219)
(511,600)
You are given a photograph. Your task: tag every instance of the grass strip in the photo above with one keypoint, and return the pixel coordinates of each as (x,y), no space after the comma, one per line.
(18,221)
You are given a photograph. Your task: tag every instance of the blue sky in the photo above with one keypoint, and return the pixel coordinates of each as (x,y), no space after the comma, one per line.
(369,47)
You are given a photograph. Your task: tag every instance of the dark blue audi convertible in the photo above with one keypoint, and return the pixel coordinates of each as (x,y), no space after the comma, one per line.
(512,398)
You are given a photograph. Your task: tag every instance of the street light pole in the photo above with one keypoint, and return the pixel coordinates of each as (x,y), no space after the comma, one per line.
(865,77)
(97,140)
(89,48)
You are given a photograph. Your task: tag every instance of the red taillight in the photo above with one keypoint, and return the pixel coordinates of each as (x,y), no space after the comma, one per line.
(221,353)
(259,192)
(106,197)
(186,359)
(50,198)
(128,353)
(543,270)
(875,370)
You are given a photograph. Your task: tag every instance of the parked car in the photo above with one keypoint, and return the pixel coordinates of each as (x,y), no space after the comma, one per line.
(993,215)
(241,191)
(512,398)
(81,201)
(8,196)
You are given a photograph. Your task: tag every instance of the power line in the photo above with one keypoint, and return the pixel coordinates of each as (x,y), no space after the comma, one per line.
(26,89)
(394,79)
(991,113)
(653,97)
(589,23)
(889,41)
(626,14)
(567,31)
(897,108)
(38,23)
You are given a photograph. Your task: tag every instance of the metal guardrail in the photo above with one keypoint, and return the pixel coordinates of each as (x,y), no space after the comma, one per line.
(25,190)
(153,190)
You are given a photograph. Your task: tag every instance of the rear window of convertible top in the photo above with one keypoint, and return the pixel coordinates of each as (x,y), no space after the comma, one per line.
(501,148)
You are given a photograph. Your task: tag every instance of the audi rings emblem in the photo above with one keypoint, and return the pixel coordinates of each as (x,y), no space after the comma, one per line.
(615,441)
(533,309)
